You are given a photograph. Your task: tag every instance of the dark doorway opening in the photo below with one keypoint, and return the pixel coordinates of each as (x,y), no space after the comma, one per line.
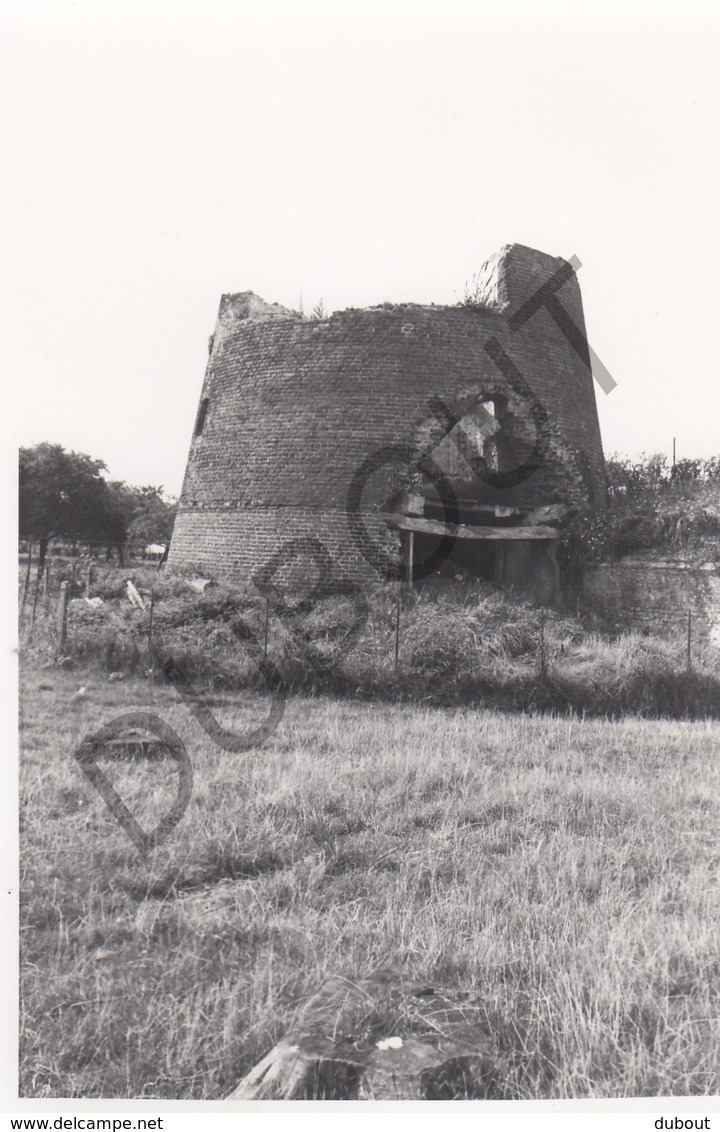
(469,560)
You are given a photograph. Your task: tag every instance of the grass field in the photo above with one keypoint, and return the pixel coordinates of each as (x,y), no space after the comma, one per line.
(563,872)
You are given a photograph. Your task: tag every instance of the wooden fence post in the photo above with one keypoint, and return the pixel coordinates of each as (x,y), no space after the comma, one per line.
(150,622)
(62,613)
(38,576)
(27,572)
(397,633)
(88,582)
(542,654)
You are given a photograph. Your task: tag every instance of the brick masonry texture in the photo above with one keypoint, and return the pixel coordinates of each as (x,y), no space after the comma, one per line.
(293,407)
(655,597)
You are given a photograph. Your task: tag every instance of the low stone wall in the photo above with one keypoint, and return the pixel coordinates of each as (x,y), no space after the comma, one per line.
(654,596)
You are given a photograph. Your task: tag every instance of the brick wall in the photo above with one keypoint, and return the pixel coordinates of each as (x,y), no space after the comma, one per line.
(234,543)
(294,407)
(655,596)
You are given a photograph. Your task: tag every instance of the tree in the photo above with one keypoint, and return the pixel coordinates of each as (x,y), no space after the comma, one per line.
(146,516)
(65,494)
(152,515)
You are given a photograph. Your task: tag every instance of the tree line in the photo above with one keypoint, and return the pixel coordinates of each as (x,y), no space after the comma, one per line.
(66,495)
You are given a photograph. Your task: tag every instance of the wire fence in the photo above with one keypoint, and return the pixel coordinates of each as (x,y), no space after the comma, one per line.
(46,597)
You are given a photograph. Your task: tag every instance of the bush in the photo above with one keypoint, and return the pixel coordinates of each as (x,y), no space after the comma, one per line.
(653,504)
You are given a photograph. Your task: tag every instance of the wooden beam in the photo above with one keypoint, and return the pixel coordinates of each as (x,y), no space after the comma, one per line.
(552,512)
(433,527)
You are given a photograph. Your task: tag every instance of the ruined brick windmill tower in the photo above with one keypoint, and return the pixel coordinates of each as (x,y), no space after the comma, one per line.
(410,441)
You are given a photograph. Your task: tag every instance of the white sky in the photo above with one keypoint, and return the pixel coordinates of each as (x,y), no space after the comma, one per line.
(160,154)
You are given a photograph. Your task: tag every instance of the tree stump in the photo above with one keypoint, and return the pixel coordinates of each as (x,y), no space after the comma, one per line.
(384,1037)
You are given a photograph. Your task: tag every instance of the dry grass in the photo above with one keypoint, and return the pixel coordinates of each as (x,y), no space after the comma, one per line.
(562,872)
(479,647)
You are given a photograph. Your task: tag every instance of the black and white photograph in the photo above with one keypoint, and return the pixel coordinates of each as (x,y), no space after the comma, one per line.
(364,443)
